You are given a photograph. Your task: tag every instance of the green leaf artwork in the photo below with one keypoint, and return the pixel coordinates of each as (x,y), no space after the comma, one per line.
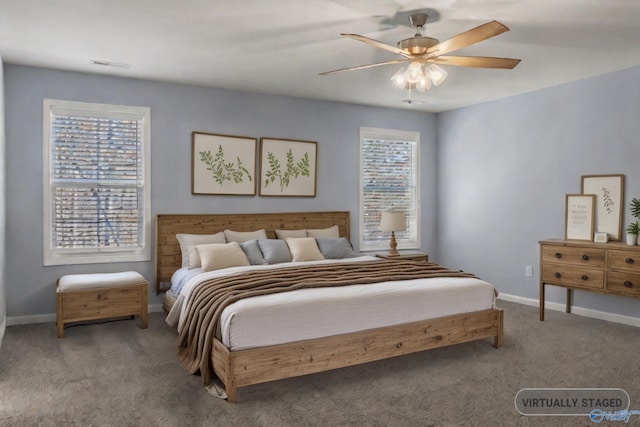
(607,201)
(223,171)
(293,171)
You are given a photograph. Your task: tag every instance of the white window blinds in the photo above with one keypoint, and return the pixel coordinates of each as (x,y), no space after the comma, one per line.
(389,181)
(96,209)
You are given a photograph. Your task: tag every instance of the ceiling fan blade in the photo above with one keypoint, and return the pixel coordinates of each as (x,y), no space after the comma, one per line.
(476,61)
(378,44)
(362,67)
(472,36)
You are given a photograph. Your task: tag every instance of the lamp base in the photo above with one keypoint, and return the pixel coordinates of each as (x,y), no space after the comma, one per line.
(393,245)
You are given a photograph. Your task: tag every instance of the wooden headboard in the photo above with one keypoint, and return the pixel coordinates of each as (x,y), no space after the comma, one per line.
(168,258)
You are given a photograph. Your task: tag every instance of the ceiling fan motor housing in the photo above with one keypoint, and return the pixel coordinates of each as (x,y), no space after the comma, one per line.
(417,45)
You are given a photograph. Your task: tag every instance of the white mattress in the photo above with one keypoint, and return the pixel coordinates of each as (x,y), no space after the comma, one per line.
(320,312)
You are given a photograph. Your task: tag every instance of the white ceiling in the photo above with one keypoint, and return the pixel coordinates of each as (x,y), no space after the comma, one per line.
(280,46)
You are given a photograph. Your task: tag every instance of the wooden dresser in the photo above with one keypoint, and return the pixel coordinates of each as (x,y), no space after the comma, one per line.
(607,268)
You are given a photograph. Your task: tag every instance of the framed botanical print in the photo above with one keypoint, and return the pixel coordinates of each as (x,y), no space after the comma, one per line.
(609,191)
(223,164)
(579,216)
(287,167)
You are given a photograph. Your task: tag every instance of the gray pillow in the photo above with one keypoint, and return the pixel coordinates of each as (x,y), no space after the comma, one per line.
(335,248)
(274,251)
(252,251)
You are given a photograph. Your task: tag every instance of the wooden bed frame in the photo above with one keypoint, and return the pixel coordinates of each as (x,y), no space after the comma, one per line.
(253,366)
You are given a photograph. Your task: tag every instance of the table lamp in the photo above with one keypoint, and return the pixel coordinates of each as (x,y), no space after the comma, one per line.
(393,221)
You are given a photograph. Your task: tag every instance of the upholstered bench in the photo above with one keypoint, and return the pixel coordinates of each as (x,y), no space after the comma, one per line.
(81,297)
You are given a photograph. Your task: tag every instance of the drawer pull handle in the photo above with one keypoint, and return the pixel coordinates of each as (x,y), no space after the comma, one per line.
(558,275)
(585,257)
(584,277)
(629,260)
(628,284)
(558,255)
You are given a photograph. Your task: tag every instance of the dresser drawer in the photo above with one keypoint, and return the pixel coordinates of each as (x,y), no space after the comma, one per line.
(572,255)
(624,260)
(621,282)
(568,275)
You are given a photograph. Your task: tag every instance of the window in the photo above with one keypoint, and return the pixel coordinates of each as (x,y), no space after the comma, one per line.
(388,181)
(96,183)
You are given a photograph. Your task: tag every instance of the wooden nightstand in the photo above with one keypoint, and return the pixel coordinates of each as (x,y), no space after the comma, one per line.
(408,256)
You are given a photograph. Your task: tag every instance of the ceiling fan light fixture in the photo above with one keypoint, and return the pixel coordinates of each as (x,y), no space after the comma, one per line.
(436,74)
(399,78)
(424,84)
(414,72)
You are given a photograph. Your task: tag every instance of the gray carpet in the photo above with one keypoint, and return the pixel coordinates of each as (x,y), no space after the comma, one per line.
(116,374)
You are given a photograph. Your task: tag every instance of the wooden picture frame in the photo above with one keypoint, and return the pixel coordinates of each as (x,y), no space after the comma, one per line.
(600,237)
(223,164)
(579,218)
(288,167)
(609,191)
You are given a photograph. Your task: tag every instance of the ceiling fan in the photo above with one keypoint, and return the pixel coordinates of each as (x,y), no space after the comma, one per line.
(422,53)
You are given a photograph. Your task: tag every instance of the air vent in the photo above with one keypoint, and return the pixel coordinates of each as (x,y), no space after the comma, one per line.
(110,63)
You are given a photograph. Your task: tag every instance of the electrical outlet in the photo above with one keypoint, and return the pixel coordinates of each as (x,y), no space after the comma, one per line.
(528,271)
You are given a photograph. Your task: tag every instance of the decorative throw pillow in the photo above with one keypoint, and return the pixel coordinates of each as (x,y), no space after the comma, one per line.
(274,251)
(332,248)
(332,231)
(188,242)
(252,251)
(243,236)
(304,249)
(284,234)
(215,256)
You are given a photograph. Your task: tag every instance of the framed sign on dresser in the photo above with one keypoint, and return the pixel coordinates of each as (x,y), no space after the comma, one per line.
(606,268)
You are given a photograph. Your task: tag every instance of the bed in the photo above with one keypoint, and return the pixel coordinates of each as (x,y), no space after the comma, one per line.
(237,363)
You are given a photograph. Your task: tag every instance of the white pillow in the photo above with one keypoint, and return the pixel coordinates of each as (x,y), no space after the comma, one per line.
(284,234)
(190,257)
(215,256)
(332,231)
(243,236)
(304,249)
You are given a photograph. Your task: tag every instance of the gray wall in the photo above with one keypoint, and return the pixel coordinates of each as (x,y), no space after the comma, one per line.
(505,167)
(176,111)
(3,306)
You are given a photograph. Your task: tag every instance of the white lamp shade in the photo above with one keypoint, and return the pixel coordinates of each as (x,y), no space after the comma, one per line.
(424,84)
(393,221)
(398,78)
(436,74)
(414,72)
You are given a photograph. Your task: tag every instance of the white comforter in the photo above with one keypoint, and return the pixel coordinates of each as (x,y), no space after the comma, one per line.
(319,312)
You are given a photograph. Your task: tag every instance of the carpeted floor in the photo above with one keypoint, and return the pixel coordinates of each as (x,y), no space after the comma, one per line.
(116,374)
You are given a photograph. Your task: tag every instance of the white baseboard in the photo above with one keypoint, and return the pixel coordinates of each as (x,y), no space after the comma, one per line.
(51,317)
(581,311)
